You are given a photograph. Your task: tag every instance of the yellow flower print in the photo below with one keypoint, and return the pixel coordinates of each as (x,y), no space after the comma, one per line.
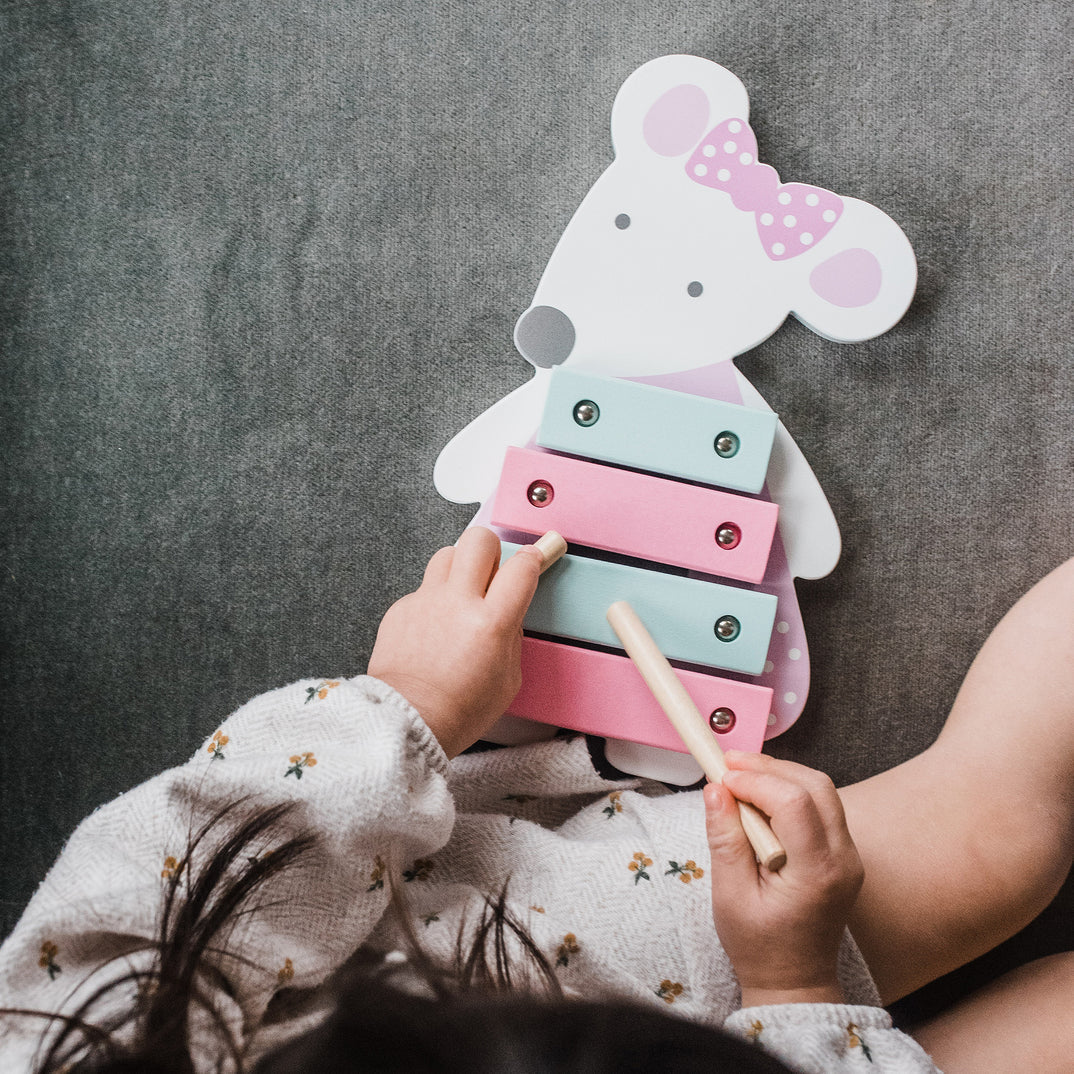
(638,866)
(286,972)
(614,804)
(320,691)
(173,868)
(669,991)
(856,1041)
(47,961)
(420,870)
(688,871)
(376,877)
(216,746)
(298,763)
(566,949)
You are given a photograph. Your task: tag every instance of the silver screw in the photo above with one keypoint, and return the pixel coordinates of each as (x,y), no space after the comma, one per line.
(540,493)
(727,628)
(726,444)
(586,412)
(728,535)
(722,720)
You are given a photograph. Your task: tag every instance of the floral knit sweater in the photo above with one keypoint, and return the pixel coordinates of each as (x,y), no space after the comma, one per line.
(608,877)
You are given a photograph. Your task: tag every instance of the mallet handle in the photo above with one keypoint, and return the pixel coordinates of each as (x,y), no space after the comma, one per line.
(692,727)
(552,547)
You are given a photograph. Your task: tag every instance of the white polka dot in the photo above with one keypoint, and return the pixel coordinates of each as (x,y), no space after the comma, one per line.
(789,221)
(769,667)
(784,198)
(700,169)
(783,627)
(766,219)
(745,158)
(828,215)
(709,150)
(795,654)
(790,697)
(723,175)
(730,147)
(771,719)
(778,249)
(734,126)
(805,238)
(812,199)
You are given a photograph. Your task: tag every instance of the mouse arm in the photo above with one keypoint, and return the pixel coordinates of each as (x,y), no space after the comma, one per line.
(468,467)
(806,522)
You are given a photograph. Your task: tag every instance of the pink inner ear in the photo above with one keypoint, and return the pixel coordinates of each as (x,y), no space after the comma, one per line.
(676,120)
(849,279)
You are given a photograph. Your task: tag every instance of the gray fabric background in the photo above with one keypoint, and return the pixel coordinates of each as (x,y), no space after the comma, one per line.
(261,259)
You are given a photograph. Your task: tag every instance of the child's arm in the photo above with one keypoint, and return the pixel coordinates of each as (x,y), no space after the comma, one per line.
(350,758)
(351,762)
(783,931)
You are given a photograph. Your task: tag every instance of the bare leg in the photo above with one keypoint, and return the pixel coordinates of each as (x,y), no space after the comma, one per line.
(1019,1022)
(966,843)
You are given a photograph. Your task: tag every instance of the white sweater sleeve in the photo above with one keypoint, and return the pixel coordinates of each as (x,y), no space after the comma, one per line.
(365,775)
(830,1038)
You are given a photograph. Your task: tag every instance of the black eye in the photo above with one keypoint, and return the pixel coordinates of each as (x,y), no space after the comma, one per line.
(694,289)
(622,221)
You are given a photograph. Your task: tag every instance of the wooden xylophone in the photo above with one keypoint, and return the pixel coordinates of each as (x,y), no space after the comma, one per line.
(656,492)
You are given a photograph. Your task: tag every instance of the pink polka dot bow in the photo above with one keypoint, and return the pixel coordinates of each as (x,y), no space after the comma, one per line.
(791,217)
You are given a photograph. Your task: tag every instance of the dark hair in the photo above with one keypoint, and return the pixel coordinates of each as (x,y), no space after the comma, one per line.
(469,1016)
(200,903)
(385,1029)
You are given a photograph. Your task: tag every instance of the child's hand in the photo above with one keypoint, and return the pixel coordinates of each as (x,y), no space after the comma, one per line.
(453,647)
(782,931)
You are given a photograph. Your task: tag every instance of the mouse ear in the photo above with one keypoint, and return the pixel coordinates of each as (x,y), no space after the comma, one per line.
(667,104)
(858,282)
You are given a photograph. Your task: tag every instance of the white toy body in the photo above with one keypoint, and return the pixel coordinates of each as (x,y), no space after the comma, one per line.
(685,253)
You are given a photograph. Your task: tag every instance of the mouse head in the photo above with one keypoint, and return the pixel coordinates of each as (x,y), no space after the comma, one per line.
(688,250)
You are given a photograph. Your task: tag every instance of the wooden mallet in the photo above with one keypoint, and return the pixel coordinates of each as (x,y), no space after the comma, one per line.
(552,547)
(692,727)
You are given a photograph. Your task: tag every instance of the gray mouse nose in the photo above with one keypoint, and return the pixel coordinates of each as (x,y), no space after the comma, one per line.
(544,336)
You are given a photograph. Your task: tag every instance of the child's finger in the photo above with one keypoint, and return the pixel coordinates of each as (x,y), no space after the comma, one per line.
(793,813)
(816,783)
(734,862)
(512,589)
(476,557)
(438,568)
(765,762)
